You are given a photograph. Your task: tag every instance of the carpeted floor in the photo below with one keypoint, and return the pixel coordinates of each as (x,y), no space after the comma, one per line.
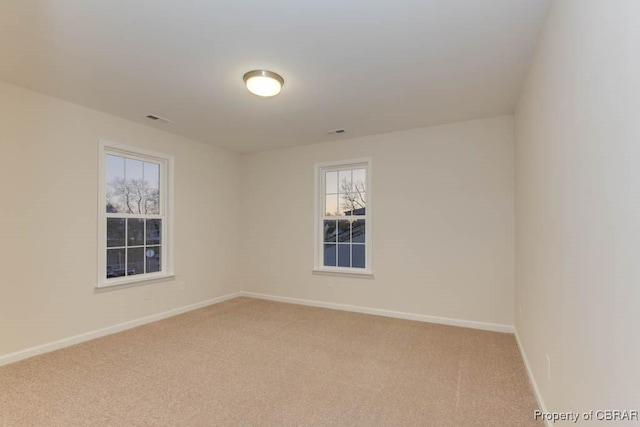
(251,362)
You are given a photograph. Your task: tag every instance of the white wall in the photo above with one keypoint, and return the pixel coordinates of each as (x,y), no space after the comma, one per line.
(443,222)
(578,207)
(48,220)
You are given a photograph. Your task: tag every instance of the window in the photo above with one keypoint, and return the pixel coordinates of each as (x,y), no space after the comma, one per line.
(135,224)
(343,212)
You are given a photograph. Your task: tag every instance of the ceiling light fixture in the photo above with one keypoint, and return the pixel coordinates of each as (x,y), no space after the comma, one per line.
(263,83)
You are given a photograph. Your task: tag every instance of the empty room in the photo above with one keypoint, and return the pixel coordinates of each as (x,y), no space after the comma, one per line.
(319,213)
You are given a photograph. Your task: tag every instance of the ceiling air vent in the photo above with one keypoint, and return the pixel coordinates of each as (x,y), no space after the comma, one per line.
(158,118)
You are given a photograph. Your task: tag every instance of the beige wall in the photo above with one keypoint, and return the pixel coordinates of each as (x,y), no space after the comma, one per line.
(443,222)
(48,253)
(578,207)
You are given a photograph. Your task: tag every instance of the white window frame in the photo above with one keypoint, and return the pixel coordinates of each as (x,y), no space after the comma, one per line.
(319,217)
(166,213)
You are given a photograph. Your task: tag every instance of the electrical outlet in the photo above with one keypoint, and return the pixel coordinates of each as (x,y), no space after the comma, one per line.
(181,286)
(548,367)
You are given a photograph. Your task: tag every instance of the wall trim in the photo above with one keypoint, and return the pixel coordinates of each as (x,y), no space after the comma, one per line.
(532,379)
(87,336)
(495,327)
(77,339)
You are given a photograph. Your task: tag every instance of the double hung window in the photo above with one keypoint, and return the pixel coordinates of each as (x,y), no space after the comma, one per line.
(343,228)
(134,215)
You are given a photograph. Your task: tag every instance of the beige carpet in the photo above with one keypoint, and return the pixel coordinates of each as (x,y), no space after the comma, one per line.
(250,362)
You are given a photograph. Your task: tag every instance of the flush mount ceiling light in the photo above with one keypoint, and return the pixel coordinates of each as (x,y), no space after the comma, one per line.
(263,83)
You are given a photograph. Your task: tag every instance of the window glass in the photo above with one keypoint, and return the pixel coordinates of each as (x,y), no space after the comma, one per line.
(116,260)
(344,181)
(135,232)
(115,232)
(114,183)
(331,182)
(330,230)
(358,231)
(344,231)
(330,255)
(153,259)
(344,255)
(135,261)
(359,180)
(357,256)
(153,231)
(331,205)
(151,188)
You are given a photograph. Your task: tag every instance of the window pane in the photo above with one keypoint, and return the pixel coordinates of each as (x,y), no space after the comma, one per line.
(153,258)
(331,204)
(114,177)
(344,178)
(330,231)
(344,231)
(154,231)
(330,255)
(344,255)
(331,182)
(352,204)
(360,202)
(115,263)
(135,232)
(114,168)
(135,261)
(151,201)
(345,204)
(359,180)
(359,211)
(114,199)
(133,192)
(152,175)
(358,231)
(115,232)
(358,258)
(151,188)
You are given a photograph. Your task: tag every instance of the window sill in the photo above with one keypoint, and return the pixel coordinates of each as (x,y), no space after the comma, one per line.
(114,284)
(343,273)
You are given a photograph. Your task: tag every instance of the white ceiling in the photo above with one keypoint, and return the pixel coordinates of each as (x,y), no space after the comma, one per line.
(363,65)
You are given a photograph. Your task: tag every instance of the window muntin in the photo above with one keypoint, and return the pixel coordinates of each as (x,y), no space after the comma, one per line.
(343,228)
(134,246)
(132,185)
(134,220)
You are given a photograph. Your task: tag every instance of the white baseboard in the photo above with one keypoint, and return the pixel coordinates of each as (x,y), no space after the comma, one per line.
(532,379)
(387,313)
(66,342)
